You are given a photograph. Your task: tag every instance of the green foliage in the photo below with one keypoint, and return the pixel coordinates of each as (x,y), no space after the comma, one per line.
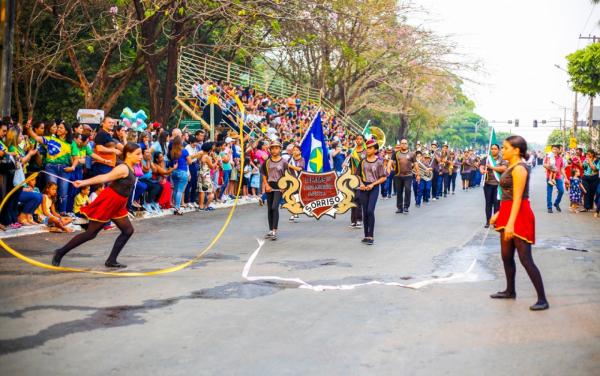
(556,137)
(584,69)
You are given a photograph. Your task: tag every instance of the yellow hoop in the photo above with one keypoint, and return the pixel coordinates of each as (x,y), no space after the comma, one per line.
(172,269)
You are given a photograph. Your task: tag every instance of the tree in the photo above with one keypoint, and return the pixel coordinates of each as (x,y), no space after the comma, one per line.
(584,69)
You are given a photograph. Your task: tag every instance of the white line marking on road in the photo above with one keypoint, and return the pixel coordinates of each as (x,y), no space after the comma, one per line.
(467,276)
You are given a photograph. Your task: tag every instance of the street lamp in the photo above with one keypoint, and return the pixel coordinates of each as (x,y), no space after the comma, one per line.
(575,114)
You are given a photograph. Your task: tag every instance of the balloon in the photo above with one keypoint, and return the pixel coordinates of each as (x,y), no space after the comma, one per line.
(135,121)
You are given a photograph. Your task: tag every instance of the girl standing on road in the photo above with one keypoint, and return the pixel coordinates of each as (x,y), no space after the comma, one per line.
(111,205)
(272,170)
(516,223)
(372,174)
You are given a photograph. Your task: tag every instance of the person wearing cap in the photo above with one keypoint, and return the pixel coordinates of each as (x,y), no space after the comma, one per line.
(444,171)
(425,185)
(467,169)
(403,162)
(354,158)
(417,187)
(436,182)
(296,164)
(386,188)
(453,166)
(272,170)
(372,174)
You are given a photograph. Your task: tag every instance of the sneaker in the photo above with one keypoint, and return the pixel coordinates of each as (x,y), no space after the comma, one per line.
(352,225)
(370,241)
(557,208)
(418,205)
(358,225)
(293,218)
(273,237)
(405,210)
(549,210)
(364,240)
(399,211)
(269,235)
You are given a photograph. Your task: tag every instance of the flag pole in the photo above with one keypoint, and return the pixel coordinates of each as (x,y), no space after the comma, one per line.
(366,125)
(311,124)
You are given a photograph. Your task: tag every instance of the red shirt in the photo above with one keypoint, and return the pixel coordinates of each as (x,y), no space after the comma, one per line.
(558,164)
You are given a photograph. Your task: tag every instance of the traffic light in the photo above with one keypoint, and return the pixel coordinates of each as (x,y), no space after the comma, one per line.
(535,123)
(516,122)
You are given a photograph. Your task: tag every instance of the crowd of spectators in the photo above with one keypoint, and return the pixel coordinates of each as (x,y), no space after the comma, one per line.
(182,170)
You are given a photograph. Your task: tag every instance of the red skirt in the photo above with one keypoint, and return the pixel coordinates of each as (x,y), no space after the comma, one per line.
(524,224)
(108,205)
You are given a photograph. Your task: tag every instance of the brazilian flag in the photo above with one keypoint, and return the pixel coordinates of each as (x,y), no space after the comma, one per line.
(314,148)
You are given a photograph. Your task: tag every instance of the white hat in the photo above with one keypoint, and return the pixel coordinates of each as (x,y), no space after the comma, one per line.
(228,140)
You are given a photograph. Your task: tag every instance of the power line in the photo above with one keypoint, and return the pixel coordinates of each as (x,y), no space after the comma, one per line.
(588,19)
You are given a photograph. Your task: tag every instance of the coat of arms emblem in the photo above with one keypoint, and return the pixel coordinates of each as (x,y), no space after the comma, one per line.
(320,194)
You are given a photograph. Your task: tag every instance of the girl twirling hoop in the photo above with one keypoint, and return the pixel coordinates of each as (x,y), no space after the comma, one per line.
(111,205)
(516,222)
(372,174)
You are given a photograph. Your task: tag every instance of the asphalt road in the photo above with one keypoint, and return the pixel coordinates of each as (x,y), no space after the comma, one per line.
(208,320)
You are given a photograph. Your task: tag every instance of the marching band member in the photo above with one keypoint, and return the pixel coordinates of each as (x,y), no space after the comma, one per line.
(454,165)
(272,170)
(372,174)
(425,182)
(445,170)
(296,165)
(354,159)
(436,182)
(403,161)
(417,187)
(490,188)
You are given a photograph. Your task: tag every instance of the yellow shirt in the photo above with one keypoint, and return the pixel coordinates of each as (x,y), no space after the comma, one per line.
(212,99)
(80,200)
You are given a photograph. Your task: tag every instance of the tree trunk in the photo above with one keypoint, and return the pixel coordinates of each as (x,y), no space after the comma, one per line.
(403,128)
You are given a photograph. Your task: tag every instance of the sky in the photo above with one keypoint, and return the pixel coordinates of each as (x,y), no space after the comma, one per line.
(518,42)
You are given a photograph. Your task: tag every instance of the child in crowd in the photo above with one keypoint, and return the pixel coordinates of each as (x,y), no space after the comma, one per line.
(81,200)
(96,193)
(575,189)
(47,211)
(255,179)
(552,163)
(247,175)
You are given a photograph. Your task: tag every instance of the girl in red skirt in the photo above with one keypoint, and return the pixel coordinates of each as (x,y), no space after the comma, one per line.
(111,205)
(516,223)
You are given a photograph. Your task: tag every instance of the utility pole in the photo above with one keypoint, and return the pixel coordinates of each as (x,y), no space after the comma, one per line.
(575,116)
(7,57)
(590,121)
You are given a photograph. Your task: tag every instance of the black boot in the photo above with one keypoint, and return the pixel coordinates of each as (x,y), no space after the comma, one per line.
(57,258)
(504,295)
(114,264)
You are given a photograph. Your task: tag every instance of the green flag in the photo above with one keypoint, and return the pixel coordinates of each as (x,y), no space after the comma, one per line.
(367,131)
(492,161)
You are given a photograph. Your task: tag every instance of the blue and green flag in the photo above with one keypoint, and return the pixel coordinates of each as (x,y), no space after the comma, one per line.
(314,148)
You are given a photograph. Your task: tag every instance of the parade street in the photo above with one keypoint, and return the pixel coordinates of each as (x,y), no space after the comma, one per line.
(209,320)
